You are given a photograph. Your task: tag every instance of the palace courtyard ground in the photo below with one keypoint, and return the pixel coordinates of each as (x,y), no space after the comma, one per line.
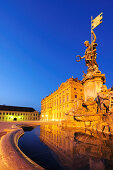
(11,157)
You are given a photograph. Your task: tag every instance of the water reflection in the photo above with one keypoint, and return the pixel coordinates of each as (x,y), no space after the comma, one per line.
(78,149)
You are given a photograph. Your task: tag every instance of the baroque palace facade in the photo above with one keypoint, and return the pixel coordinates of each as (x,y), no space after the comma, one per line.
(14,113)
(56,105)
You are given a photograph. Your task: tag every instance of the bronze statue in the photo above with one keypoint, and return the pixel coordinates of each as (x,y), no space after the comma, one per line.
(90,54)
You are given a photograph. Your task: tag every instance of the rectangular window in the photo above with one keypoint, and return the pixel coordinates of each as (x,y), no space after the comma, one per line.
(0,113)
(60,100)
(67,98)
(63,99)
(57,101)
(74,88)
(57,115)
(3,113)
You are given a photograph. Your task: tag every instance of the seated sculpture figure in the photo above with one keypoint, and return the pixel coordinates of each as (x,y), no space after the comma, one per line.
(103,100)
(90,54)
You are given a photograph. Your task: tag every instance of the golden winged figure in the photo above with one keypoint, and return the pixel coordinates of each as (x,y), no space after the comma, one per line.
(90,54)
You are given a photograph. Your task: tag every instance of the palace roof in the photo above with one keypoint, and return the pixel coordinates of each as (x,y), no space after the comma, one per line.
(16,108)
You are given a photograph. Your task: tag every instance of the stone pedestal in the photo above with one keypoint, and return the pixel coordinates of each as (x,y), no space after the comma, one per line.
(92,84)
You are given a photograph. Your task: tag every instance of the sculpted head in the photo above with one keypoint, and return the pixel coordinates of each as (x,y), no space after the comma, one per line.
(86,43)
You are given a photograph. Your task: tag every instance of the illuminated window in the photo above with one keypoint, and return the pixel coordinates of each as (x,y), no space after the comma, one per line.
(67,98)
(63,99)
(60,114)
(60,100)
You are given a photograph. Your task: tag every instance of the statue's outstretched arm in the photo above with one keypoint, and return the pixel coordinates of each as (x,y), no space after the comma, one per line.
(83,57)
(92,32)
(80,57)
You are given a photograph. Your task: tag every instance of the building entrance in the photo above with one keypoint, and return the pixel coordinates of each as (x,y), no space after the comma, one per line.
(15,119)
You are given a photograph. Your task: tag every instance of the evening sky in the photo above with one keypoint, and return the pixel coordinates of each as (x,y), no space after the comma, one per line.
(39,40)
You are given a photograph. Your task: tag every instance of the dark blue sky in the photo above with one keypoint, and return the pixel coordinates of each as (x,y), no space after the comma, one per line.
(39,40)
